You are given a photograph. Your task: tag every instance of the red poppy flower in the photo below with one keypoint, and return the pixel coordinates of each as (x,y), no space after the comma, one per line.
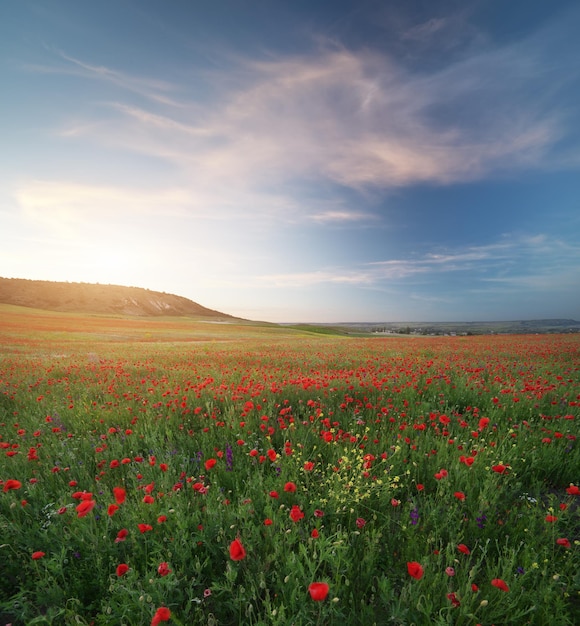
(420,487)
(111,509)
(463,548)
(415,570)
(500,584)
(11,483)
(37,555)
(295,513)
(143,528)
(500,468)
(163,569)
(210,463)
(274,494)
(563,542)
(85,507)
(120,494)
(314,534)
(122,569)
(290,487)
(452,597)
(360,522)
(237,550)
(121,535)
(148,499)
(483,422)
(308,466)
(318,591)
(551,518)
(163,614)
(161,519)
(459,495)
(268,522)
(573,490)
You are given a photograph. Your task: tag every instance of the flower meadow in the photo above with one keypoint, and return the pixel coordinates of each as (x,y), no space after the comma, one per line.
(262,476)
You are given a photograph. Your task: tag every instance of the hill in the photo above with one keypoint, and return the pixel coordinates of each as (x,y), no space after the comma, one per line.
(101,299)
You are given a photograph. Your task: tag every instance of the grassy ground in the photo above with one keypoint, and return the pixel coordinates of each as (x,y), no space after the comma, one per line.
(246,474)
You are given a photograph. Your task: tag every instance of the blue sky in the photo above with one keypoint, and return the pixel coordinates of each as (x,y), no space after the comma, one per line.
(297,161)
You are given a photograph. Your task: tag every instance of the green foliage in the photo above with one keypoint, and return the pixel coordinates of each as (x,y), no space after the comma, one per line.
(336,460)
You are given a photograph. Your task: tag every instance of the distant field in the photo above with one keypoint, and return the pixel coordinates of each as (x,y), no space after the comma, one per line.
(238,473)
(514,327)
(22,324)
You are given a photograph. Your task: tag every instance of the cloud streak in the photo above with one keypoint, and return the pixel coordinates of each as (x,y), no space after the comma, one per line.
(351,118)
(151,89)
(358,120)
(549,256)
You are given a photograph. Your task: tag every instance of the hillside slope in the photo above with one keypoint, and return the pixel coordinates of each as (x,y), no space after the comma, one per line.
(96,298)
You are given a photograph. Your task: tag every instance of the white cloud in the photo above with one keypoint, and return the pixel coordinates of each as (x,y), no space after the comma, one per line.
(340,216)
(535,261)
(153,89)
(348,118)
(426,30)
(359,120)
(306,279)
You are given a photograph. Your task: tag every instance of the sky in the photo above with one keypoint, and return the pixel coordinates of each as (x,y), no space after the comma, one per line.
(297,161)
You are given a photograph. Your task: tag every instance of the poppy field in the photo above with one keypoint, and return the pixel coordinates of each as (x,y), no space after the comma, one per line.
(170,472)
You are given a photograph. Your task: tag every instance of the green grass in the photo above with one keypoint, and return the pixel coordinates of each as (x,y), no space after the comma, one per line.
(378,419)
(325,330)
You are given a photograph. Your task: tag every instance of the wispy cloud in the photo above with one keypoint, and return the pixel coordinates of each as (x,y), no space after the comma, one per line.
(534,261)
(426,30)
(151,89)
(341,216)
(349,118)
(357,119)
(342,276)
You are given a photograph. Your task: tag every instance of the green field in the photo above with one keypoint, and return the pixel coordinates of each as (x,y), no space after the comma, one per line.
(183,472)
